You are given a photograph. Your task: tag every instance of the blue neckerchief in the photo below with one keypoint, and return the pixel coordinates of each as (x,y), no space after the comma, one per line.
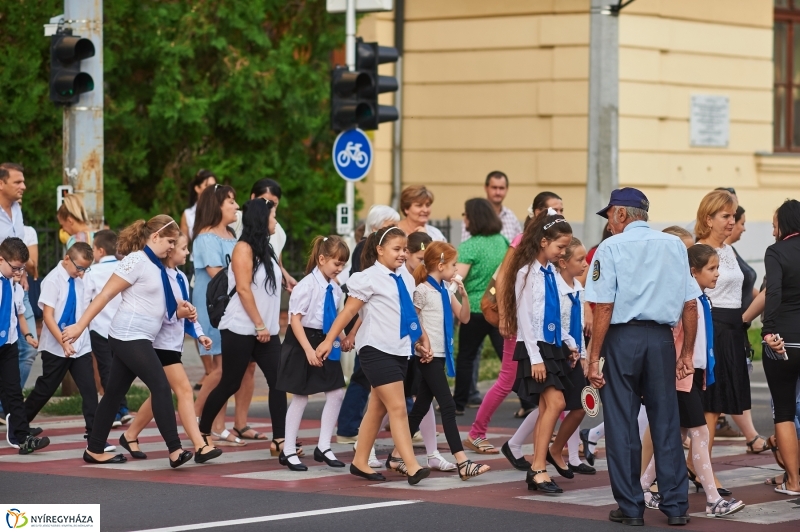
(575,325)
(68,315)
(552,309)
(409,322)
(172,304)
(5,310)
(710,362)
(328,317)
(188,327)
(448,326)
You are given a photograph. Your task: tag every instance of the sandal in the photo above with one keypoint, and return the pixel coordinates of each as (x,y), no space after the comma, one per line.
(782,489)
(468,469)
(224,441)
(772,442)
(401,465)
(276,447)
(480,446)
(752,450)
(773,481)
(440,463)
(246,428)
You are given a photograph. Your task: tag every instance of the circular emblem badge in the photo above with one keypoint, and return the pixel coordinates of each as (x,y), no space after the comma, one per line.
(2,334)
(337,344)
(590,400)
(63,326)
(551,327)
(413,326)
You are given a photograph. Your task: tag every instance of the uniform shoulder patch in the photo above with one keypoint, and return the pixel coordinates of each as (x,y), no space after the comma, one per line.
(596,270)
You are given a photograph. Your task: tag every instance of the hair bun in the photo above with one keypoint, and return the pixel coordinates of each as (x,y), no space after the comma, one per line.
(551,211)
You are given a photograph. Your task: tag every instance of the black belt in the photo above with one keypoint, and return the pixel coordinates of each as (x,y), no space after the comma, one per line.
(642,323)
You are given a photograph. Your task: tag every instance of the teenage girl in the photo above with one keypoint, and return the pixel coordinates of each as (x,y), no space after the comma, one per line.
(532,309)
(312,310)
(436,306)
(704,264)
(147,296)
(390,332)
(168,346)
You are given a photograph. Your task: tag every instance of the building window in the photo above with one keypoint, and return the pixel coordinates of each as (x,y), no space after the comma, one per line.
(786,57)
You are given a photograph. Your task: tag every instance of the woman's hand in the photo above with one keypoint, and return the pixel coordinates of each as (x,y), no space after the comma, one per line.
(262,335)
(206,342)
(313,359)
(71,333)
(505,330)
(33,342)
(324,349)
(776,343)
(573,357)
(538,372)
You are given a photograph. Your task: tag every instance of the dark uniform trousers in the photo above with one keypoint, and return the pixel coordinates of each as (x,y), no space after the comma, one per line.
(11,391)
(640,367)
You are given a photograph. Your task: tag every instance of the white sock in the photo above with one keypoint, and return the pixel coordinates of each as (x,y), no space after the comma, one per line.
(523,434)
(572,444)
(642,420)
(428,429)
(294,415)
(596,434)
(330,413)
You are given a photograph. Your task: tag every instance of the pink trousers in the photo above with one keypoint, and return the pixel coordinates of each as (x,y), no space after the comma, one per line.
(498,392)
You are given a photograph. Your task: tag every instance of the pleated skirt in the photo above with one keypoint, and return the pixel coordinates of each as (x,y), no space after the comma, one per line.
(730,393)
(556,364)
(299,377)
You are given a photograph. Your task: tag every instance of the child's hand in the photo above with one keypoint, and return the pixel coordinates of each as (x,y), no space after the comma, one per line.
(459,282)
(206,342)
(313,358)
(347,344)
(33,342)
(322,351)
(69,349)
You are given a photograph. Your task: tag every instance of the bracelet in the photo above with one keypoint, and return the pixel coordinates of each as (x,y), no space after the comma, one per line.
(594,362)
(29,334)
(259,329)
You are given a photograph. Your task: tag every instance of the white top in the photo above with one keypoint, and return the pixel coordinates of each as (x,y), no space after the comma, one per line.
(728,293)
(566,307)
(431,315)
(699,357)
(19,300)
(308,299)
(380,325)
(190,214)
(143,303)
(94,280)
(268,304)
(17,308)
(434,233)
(530,310)
(277,241)
(170,337)
(11,226)
(55,289)
(29,236)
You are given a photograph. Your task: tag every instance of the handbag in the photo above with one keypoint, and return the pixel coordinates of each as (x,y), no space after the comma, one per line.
(489,302)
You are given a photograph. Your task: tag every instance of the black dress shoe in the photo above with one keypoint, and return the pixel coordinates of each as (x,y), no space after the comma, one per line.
(123,441)
(618,517)
(519,464)
(724,492)
(319,456)
(583,469)
(184,457)
(201,458)
(284,460)
(679,520)
(566,473)
(89,459)
(368,476)
(548,487)
(419,475)
(586,453)
(35,431)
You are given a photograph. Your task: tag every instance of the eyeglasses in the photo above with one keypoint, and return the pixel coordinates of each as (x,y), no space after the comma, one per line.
(80,269)
(14,269)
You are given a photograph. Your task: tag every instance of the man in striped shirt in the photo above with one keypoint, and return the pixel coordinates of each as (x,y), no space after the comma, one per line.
(496,187)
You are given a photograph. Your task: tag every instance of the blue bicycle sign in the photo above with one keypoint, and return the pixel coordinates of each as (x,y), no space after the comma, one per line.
(352,154)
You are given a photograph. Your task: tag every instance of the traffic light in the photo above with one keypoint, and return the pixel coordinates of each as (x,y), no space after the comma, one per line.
(67,82)
(348,110)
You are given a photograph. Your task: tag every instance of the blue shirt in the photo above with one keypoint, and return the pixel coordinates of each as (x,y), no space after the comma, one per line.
(645,273)
(11,226)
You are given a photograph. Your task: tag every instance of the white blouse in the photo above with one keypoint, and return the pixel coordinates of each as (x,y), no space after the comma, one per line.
(170,337)
(268,304)
(566,307)
(380,315)
(728,293)
(55,290)
(17,296)
(143,303)
(529,288)
(190,214)
(308,299)
(93,282)
(431,315)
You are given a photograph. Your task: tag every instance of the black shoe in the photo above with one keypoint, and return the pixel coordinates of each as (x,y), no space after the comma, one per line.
(679,520)
(32,443)
(89,459)
(35,431)
(184,457)
(520,464)
(566,473)
(618,517)
(123,441)
(368,476)
(319,456)
(548,487)
(284,460)
(586,452)
(419,475)
(583,469)
(202,458)
(724,492)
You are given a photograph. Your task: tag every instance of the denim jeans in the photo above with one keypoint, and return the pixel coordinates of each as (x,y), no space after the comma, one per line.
(352,411)
(27,353)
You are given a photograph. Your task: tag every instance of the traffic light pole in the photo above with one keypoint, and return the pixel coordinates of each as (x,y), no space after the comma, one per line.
(83,122)
(350,55)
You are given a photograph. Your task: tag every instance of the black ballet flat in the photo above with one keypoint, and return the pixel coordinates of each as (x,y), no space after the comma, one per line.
(368,476)
(123,441)
(566,473)
(583,469)
(548,487)
(520,464)
(319,456)
(419,475)
(284,460)
(184,457)
(89,459)
(584,434)
(202,458)
(724,492)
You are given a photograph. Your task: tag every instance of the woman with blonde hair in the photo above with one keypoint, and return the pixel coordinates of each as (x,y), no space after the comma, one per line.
(415,206)
(74,220)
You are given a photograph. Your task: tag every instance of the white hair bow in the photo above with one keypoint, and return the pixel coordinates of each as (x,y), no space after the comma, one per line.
(551,211)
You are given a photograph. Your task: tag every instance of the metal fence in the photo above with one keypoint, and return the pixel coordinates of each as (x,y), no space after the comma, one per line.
(51,250)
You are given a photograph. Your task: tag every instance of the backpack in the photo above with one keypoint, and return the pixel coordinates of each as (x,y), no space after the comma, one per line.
(218,296)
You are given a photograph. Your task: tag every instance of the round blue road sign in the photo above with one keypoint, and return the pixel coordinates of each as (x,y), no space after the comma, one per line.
(352,154)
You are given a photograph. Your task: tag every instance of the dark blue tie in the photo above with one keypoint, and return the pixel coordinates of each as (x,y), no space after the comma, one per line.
(188,327)
(575,325)
(448,325)
(710,362)
(169,296)
(70,307)
(552,309)
(328,317)
(409,322)
(6,305)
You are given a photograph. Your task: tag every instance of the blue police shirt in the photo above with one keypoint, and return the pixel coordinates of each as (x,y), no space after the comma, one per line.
(645,273)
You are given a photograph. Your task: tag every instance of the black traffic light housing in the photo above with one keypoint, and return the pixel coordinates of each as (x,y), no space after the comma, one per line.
(67,82)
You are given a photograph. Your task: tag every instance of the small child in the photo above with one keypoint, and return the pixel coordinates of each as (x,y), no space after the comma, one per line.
(312,310)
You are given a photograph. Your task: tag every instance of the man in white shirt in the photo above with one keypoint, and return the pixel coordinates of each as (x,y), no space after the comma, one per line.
(496,187)
(12,186)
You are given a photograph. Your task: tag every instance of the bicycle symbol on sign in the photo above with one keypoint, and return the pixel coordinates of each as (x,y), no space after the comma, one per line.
(352,152)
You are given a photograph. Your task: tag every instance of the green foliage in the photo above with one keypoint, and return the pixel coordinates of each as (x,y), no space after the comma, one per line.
(237,87)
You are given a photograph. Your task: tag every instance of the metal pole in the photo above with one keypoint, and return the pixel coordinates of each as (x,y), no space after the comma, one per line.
(83,122)
(350,51)
(602,176)
(397,141)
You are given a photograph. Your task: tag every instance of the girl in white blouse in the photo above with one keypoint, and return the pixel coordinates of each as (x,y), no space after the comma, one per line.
(312,310)
(532,308)
(389,334)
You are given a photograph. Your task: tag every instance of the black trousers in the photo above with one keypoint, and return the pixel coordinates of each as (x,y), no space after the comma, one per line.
(237,352)
(54,368)
(11,391)
(470,338)
(102,354)
(131,359)
(434,384)
(782,380)
(640,364)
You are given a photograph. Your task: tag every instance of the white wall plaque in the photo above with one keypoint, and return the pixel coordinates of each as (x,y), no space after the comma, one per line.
(339,6)
(709,122)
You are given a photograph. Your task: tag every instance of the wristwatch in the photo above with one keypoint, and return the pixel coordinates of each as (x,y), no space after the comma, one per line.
(29,334)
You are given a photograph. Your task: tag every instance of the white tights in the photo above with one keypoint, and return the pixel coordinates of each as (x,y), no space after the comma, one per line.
(294,415)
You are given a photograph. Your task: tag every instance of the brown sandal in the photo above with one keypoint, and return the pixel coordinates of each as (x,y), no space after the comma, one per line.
(752,450)
(480,446)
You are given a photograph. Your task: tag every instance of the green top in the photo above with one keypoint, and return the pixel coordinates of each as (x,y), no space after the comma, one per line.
(484,255)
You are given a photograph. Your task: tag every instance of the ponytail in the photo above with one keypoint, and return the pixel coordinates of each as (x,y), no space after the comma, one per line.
(370,253)
(329,247)
(135,236)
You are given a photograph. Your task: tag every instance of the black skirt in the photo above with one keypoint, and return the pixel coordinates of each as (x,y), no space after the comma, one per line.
(690,404)
(297,376)
(167,357)
(556,364)
(730,393)
(572,396)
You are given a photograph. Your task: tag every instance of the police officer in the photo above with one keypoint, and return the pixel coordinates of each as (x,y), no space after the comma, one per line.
(641,284)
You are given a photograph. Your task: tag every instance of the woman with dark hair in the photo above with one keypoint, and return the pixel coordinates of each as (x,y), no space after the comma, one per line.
(202,179)
(250,325)
(780,333)
(543,201)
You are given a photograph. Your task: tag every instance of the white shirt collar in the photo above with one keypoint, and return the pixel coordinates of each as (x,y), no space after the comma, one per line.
(320,278)
(384,270)
(564,288)
(107,258)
